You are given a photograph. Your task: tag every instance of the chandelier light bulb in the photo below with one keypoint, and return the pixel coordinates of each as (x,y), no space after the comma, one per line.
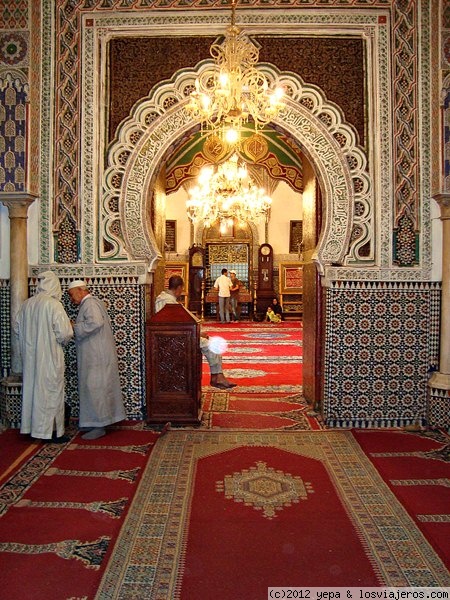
(232,135)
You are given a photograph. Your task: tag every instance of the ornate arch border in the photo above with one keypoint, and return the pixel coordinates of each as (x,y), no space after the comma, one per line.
(445,101)
(158,121)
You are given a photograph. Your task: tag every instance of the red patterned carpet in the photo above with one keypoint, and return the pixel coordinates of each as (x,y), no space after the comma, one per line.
(236,511)
(265,360)
(228,514)
(416,467)
(61,509)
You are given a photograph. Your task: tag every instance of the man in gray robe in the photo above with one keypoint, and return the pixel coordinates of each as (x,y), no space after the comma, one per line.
(43,327)
(99,389)
(171,296)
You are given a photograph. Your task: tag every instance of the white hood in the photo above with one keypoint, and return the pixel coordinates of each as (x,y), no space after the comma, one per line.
(49,284)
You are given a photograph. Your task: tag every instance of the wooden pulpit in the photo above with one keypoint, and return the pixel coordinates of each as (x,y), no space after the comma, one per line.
(174,366)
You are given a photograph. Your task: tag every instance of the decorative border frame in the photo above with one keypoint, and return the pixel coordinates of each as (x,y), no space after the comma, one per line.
(379,36)
(284,268)
(181,269)
(157,122)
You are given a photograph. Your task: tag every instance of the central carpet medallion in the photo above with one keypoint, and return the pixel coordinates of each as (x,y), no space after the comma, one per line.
(228,514)
(264,488)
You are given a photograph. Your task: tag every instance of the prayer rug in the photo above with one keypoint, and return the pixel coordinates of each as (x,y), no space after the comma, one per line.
(228,514)
(15,449)
(416,467)
(62,509)
(265,361)
(257,410)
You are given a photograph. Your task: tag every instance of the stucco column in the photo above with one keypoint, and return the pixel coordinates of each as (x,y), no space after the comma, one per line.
(441,379)
(17,204)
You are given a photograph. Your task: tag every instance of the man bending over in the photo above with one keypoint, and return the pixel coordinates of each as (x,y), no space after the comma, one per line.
(170,296)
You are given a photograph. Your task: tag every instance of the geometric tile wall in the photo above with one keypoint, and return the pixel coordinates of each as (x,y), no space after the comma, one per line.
(382,343)
(124,299)
(5,357)
(438,409)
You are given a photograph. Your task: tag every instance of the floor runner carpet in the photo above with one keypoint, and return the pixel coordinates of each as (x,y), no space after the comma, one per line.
(265,361)
(416,467)
(61,511)
(14,451)
(226,515)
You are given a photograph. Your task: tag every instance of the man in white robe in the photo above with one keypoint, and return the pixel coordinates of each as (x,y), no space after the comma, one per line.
(171,296)
(101,401)
(43,328)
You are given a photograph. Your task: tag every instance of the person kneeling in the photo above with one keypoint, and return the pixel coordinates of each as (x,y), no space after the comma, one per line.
(170,296)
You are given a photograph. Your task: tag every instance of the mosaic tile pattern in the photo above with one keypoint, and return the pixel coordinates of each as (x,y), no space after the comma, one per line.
(124,299)
(13,98)
(5,356)
(439,408)
(14,48)
(10,405)
(14,14)
(381,343)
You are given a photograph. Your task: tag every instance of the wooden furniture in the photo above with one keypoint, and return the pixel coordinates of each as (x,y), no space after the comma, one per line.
(264,286)
(245,297)
(196,277)
(182,270)
(173,366)
(291,289)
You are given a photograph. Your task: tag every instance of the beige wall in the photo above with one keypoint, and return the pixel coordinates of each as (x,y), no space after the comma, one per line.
(286,206)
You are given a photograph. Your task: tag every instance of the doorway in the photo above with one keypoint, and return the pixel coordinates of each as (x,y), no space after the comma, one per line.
(296,375)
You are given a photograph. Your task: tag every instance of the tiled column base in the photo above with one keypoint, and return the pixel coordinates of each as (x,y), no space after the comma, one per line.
(10,402)
(439,408)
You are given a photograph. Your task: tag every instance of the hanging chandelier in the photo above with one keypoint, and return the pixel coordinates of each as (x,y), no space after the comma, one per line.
(225,194)
(233,90)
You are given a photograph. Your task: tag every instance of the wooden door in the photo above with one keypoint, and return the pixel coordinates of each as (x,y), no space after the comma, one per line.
(312,291)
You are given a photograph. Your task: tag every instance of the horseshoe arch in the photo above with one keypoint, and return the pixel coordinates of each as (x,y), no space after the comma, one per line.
(158,121)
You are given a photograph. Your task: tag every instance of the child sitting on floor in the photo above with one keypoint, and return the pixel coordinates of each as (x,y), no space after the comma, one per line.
(271,316)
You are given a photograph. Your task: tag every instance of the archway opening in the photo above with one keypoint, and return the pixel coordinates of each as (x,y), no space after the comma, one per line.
(221,249)
(146,139)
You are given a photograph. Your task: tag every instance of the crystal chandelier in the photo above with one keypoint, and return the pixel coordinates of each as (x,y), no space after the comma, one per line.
(233,90)
(227,193)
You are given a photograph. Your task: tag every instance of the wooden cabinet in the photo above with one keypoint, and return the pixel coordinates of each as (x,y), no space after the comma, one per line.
(173,366)
(291,289)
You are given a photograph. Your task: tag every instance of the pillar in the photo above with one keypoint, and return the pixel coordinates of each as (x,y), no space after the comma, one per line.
(17,204)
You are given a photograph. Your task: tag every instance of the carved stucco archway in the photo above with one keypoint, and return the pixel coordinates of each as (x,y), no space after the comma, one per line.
(158,121)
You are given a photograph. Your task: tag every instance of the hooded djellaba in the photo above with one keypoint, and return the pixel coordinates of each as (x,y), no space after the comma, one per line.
(43,328)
